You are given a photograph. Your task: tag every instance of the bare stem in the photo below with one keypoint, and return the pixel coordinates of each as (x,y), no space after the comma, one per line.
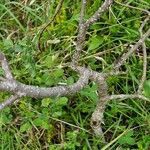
(126,96)
(143,78)
(41,92)
(82,12)
(137,8)
(5,67)
(99,12)
(9,101)
(84,26)
(97,116)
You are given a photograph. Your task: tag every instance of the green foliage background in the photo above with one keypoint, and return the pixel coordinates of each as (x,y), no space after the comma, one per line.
(64,123)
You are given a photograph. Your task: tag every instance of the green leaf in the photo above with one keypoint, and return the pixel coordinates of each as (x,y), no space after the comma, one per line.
(40,122)
(8,43)
(147,88)
(62,101)
(47,79)
(95,42)
(90,92)
(50,61)
(1,72)
(46,102)
(127,139)
(5,119)
(25,127)
(58,73)
(57,114)
(70,80)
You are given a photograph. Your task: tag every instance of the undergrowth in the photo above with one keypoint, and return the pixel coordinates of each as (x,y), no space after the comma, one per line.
(64,123)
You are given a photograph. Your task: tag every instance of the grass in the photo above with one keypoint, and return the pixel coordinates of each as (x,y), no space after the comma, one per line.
(64,123)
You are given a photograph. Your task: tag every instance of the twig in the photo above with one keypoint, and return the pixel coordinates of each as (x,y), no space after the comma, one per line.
(97,116)
(80,37)
(5,67)
(128,54)
(84,26)
(69,124)
(126,96)
(9,101)
(143,78)
(99,12)
(143,24)
(99,53)
(129,6)
(82,13)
